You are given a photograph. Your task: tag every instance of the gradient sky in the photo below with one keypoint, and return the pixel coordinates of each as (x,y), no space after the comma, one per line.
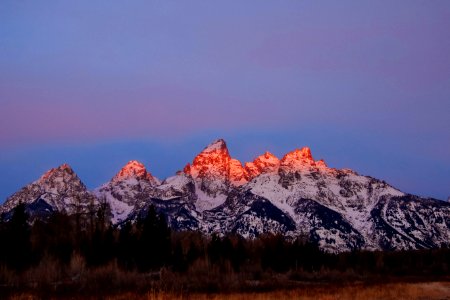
(365,84)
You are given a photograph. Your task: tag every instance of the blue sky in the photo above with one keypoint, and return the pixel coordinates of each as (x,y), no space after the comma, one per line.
(366,85)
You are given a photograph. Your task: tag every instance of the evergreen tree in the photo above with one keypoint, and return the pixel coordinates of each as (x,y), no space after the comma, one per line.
(154,243)
(18,249)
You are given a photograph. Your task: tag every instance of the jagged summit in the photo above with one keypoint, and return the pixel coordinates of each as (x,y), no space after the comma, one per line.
(339,209)
(300,159)
(268,156)
(59,187)
(215,145)
(128,189)
(210,172)
(212,162)
(265,163)
(58,176)
(238,175)
(321,164)
(303,154)
(58,171)
(134,170)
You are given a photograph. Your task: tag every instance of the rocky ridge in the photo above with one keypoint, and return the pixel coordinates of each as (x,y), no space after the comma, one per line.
(295,195)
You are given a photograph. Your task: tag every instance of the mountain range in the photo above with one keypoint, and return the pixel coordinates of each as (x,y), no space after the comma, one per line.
(296,195)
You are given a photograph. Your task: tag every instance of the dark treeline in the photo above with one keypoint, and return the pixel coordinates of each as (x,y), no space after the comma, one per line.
(65,248)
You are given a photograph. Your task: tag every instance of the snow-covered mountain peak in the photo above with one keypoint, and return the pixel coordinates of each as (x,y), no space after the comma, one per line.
(297,160)
(238,174)
(129,188)
(63,170)
(266,163)
(339,209)
(214,171)
(321,164)
(212,162)
(59,187)
(303,154)
(267,159)
(61,177)
(268,156)
(134,170)
(217,145)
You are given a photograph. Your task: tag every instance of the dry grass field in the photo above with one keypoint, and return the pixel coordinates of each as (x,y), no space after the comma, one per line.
(397,291)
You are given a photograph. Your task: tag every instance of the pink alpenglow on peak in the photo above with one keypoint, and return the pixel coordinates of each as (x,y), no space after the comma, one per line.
(303,154)
(301,159)
(213,161)
(217,145)
(59,187)
(321,164)
(50,173)
(134,169)
(266,163)
(238,174)
(298,159)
